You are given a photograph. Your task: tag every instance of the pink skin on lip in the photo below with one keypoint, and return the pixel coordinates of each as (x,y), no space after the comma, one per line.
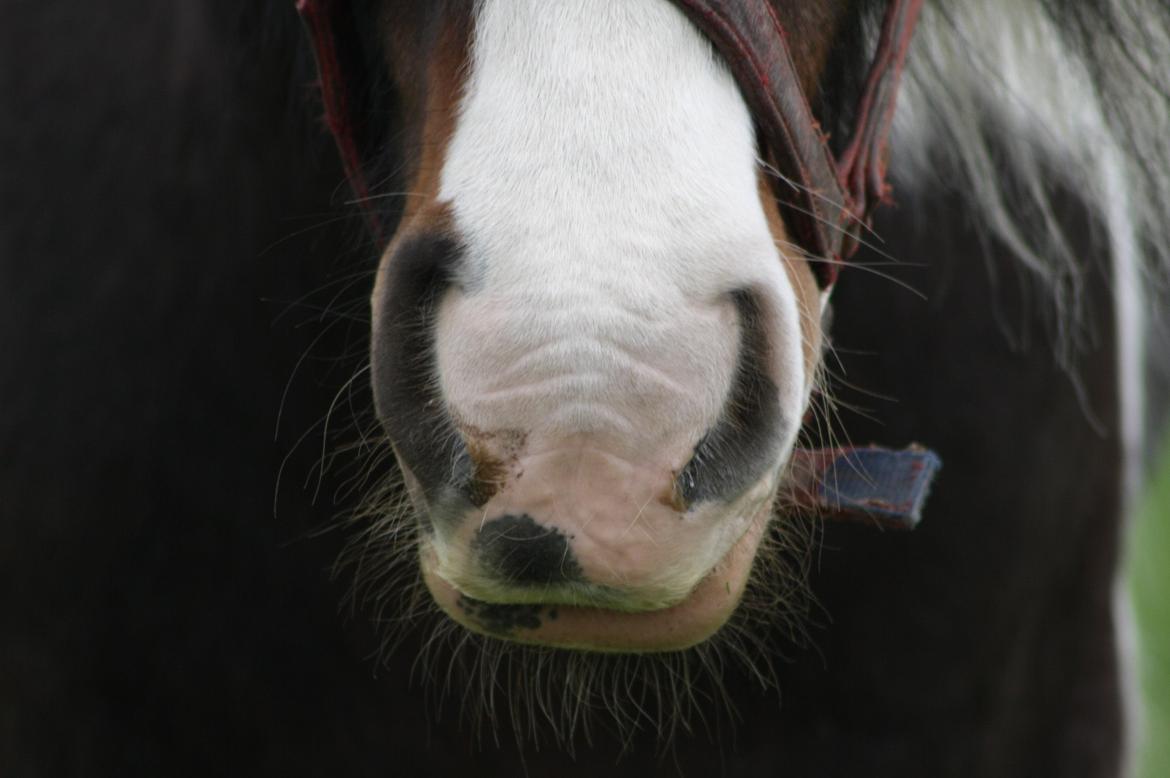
(696,618)
(622,519)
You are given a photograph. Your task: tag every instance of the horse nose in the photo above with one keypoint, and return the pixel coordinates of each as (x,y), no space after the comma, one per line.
(581,450)
(572,522)
(579,544)
(580,485)
(575,524)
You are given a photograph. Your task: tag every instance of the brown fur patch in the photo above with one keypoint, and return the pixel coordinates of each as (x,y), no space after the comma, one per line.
(426,52)
(428,63)
(495,457)
(801,276)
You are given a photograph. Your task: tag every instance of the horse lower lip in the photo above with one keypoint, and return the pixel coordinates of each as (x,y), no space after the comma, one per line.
(680,626)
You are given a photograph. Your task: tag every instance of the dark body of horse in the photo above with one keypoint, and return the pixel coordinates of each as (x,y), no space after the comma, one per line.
(165,201)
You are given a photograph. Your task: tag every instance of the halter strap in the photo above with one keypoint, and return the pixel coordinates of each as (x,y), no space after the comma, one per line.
(826,201)
(322,18)
(882,487)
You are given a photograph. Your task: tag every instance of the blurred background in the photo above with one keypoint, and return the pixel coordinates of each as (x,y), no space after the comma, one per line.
(1149,585)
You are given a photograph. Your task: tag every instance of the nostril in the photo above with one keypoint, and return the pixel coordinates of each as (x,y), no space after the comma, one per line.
(741,445)
(521,552)
(413,278)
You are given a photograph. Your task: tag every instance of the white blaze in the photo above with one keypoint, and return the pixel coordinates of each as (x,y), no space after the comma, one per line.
(602,175)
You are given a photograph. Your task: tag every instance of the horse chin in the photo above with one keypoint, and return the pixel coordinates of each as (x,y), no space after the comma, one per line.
(696,617)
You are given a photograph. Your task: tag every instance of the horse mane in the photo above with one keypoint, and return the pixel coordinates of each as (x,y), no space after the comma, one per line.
(1017,106)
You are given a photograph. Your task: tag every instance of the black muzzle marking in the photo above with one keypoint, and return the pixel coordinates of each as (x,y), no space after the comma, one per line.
(521,552)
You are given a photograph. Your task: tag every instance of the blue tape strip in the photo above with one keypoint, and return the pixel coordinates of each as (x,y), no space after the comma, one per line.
(889,486)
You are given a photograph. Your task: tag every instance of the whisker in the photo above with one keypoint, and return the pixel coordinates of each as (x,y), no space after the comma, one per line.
(866,267)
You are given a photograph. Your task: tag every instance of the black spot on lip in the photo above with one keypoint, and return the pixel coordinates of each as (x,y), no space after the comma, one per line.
(736,451)
(501,619)
(522,552)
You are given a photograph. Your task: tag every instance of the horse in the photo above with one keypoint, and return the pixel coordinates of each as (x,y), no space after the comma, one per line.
(586,313)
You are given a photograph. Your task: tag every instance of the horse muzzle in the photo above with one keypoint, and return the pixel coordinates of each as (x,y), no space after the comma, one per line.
(575,547)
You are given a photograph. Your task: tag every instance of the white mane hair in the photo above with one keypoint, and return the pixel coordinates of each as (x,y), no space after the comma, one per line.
(1012,101)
